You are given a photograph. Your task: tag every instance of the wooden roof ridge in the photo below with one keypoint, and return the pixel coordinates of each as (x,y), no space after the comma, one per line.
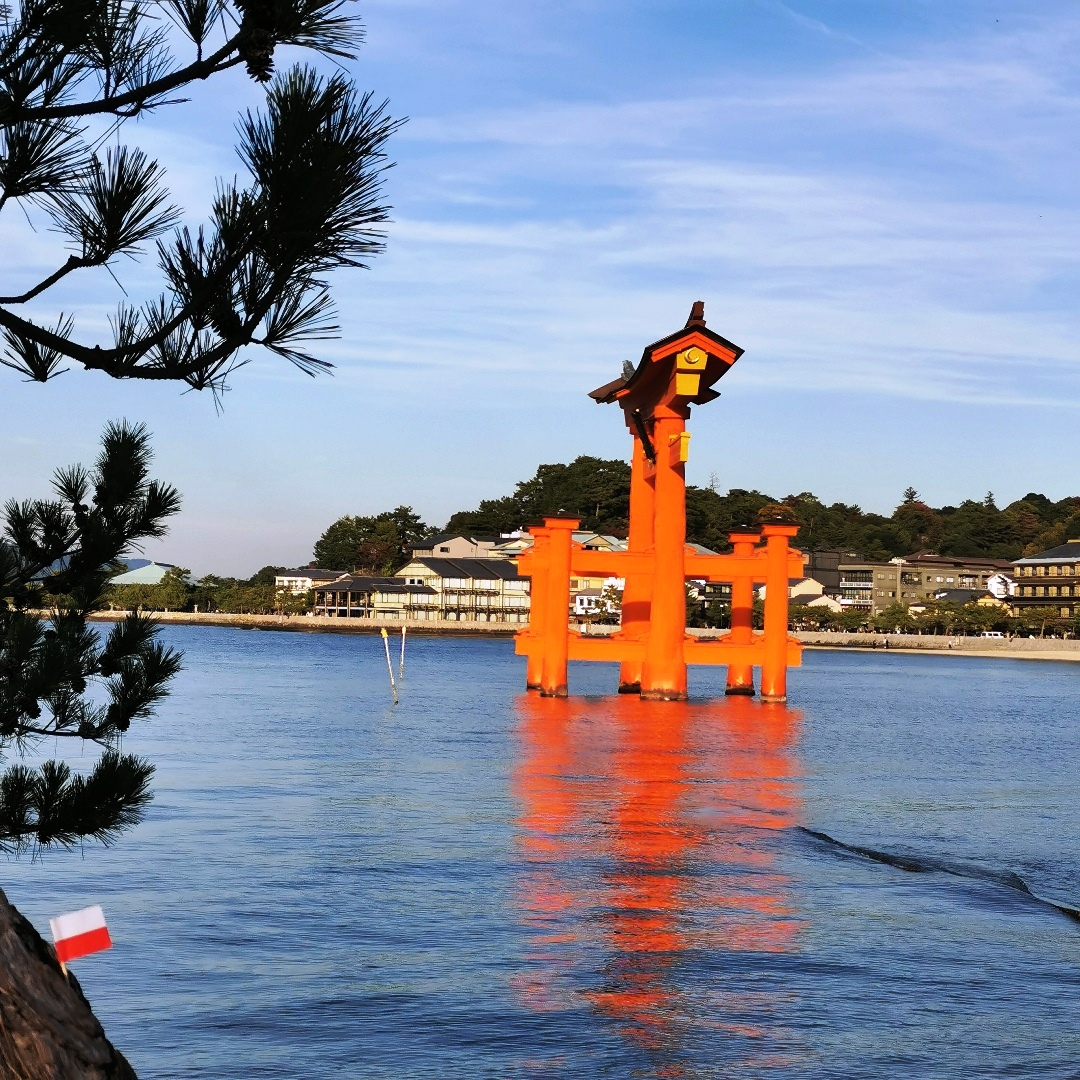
(695,328)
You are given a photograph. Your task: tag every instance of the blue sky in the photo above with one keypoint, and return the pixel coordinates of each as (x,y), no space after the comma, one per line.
(877,200)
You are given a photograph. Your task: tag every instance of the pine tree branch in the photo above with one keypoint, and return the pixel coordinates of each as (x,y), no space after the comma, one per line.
(137,98)
(73,263)
(122,363)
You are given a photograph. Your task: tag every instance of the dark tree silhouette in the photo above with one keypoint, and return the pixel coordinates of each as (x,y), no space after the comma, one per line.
(58,679)
(72,71)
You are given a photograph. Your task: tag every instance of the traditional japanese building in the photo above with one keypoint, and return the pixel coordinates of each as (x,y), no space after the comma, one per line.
(1049,580)
(485,590)
(356,596)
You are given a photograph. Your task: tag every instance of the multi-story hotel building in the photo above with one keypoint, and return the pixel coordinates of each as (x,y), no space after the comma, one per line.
(914,579)
(1049,580)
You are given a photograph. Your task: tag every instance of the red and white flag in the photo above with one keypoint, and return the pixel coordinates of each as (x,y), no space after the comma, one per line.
(80,933)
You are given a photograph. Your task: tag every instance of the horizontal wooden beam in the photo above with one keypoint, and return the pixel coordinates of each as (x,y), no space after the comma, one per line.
(616,648)
(714,568)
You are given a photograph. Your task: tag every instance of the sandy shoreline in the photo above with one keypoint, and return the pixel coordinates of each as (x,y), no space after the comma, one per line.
(1014,649)
(1017,648)
(996,654)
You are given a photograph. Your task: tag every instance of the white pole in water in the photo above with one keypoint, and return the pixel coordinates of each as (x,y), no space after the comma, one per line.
(389,665)
(401,665)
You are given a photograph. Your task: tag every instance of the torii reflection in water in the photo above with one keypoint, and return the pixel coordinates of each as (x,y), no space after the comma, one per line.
(649,840)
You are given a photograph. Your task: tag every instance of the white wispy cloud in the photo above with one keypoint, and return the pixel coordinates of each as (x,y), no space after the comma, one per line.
(873,270)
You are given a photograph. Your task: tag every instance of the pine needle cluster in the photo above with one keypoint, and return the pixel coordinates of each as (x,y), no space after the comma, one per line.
(255,273)
(59,679)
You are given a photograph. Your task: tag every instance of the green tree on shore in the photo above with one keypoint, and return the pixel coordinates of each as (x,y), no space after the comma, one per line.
(594,490)
(379,544)
(597,491)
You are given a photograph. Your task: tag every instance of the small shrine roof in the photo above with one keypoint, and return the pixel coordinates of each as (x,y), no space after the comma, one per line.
(607,393)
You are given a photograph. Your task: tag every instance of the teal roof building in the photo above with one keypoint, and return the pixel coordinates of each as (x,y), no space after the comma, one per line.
(149,574)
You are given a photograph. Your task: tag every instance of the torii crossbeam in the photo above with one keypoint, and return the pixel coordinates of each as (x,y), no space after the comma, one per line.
(652,645)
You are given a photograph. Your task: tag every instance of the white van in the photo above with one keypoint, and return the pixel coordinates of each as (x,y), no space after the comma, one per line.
(992,633)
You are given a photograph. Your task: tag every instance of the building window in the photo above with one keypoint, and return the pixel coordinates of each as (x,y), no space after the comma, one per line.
(1040,571)
(1040,591)
(1066,591)
(1052,591)
(1064,612)
(1053,571)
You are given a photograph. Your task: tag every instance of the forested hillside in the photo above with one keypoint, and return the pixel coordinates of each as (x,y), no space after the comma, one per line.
(598,492)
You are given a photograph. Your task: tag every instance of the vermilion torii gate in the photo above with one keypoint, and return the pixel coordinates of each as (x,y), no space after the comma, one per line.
(652,644)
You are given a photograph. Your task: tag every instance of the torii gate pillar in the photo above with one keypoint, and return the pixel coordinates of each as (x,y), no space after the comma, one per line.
(663,673)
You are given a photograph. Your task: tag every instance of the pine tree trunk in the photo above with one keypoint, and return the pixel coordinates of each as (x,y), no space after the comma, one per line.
(47,1029)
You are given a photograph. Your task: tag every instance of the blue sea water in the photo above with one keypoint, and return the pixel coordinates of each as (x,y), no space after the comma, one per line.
(478,883)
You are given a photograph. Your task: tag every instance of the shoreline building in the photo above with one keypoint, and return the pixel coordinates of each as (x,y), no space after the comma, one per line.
(485,590)
(1049,580)
(823,565)
(457,545)
(481,590)
(914,579)
(305,578)
(355,596)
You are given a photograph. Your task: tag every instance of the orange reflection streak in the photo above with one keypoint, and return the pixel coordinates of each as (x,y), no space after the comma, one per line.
(544,837)
(753,791)
(645,831)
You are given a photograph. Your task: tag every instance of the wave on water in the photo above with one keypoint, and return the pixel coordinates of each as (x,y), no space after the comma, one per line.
(928,864)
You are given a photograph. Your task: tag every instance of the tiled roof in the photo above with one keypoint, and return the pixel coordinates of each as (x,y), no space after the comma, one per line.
(960,596)
(607,392)
(441,538)
(1071,550)
(928,558)
(355,584)
(314,573)
(485,569)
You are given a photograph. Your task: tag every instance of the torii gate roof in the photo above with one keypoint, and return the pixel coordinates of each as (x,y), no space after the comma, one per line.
(721,352)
